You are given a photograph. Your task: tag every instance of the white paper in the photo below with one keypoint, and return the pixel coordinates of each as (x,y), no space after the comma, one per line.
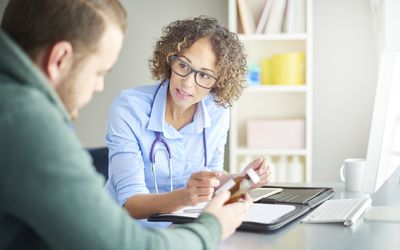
(267,213)
(261,213)
(194,209)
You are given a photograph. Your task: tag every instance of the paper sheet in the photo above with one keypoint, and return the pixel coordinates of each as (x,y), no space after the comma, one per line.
(267,213)
(261,213)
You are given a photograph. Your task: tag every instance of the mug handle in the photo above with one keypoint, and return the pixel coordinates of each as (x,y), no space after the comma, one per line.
(342,173)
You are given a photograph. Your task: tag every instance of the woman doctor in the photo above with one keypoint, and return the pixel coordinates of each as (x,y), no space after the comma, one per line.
(163,139)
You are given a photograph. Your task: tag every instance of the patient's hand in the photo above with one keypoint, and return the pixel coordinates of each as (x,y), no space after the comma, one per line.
(230,215)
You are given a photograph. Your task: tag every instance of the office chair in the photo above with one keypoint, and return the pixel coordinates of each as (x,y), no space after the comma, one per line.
(100,160)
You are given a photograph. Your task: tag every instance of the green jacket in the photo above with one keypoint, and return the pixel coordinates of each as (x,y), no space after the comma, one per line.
(50,195)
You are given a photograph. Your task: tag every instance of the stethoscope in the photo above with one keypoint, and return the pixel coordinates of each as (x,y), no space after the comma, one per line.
(166,149)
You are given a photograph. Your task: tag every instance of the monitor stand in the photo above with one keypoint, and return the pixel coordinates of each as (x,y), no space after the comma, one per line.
(389,214)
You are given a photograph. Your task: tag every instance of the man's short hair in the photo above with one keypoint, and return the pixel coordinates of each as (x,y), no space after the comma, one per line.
(38,24)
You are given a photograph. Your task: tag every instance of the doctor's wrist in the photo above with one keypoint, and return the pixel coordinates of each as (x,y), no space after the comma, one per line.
(183,197)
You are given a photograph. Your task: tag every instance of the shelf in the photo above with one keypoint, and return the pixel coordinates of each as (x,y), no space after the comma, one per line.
(271,152)
(276,88)
(273,37)
(273,101)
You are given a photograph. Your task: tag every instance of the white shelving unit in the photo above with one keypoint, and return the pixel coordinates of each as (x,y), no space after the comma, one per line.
(272,101)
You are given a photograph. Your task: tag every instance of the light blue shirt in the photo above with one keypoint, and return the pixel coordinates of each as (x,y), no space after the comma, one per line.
(135,117)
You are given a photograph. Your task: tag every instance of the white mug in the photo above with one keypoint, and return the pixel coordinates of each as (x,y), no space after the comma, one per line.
(352,173)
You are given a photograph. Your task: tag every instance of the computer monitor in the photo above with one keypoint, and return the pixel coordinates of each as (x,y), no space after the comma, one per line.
(383,154)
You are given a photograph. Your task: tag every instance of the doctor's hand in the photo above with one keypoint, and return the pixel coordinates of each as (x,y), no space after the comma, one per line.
(230,216)
(260,166)
(200,187)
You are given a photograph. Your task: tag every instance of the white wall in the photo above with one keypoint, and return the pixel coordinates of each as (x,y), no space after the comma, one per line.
(345,79)
(388,19)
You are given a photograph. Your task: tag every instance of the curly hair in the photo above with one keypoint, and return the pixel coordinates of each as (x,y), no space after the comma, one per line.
(228,50)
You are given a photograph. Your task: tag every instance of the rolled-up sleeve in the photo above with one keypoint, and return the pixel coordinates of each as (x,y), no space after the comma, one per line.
(126,166)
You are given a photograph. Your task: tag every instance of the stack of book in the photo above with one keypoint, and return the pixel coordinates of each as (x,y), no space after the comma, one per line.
(272,16)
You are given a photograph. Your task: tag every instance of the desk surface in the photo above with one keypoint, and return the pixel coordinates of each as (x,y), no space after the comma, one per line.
(363,235)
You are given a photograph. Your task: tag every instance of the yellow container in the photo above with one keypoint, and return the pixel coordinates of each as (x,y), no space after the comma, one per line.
(289,68)
(266,71)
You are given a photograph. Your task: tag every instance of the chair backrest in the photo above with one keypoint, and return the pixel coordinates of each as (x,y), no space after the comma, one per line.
(100,160)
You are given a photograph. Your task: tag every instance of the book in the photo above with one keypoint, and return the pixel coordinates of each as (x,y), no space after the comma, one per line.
(246,16)
(264,17)
(257,7)
(275,21)
(301,16)
(289,24)
(295,17)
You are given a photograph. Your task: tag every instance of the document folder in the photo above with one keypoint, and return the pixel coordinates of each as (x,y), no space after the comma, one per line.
(267,214)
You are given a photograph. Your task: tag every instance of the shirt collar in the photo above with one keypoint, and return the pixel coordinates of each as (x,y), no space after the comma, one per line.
(157,115)
(156,122)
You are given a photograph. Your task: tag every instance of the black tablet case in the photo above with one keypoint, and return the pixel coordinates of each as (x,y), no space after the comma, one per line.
(303,198)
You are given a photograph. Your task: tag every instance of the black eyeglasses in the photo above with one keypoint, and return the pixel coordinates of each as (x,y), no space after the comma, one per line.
(181,68)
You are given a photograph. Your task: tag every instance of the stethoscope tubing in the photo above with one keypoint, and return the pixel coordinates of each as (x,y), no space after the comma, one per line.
(167,150)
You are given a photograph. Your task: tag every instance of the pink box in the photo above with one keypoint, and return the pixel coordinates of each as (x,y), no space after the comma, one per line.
(276,134)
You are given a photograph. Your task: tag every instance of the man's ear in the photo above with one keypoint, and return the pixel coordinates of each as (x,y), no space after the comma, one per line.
(58,62)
